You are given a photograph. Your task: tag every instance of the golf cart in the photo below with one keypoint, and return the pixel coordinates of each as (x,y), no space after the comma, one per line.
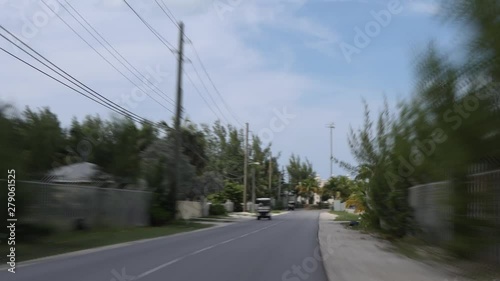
(264,208)
(291,206)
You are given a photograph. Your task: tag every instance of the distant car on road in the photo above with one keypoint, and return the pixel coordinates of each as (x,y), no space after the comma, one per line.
(291,206)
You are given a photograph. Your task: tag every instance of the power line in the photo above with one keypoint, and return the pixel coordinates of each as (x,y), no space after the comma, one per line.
(104,58)
(209,95)
(165,9)
(85,88)
(215,88)
(172,18)
(61,82)
(156,33)
(119,54)
(199,93)
(80,92)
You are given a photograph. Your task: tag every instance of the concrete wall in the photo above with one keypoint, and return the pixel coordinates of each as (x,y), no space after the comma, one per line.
(338,206)
(432,210)
(229,206)
(61,205)
(189,209)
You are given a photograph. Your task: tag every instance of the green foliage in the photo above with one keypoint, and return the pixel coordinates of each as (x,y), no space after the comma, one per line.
(339,186)
(280,205)
(159,216)
(234,193)
(217,210)
(449,126)
(299,171)
(30,233)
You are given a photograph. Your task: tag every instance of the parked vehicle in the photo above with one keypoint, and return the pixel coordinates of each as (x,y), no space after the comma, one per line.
(291,206)
(264,208)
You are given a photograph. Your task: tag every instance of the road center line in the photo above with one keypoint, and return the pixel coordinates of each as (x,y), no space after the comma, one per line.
(159,267)
(199,251)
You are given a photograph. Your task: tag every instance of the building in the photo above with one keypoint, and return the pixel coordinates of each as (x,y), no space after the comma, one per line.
(83,173)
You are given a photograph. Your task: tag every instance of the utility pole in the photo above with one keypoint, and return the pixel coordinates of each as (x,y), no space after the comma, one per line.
(331,126)
(245,168)
(288,187)
(253,189)
(270,171)
(178,115)
(281,182)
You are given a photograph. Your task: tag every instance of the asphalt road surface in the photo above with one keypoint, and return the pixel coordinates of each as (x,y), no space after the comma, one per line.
(284,248)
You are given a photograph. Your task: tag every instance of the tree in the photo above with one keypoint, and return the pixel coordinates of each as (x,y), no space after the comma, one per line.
(340,187)
(42,140)
(307,188)
(298,170)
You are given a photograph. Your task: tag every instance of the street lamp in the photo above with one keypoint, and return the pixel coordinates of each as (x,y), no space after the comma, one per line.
(253,164)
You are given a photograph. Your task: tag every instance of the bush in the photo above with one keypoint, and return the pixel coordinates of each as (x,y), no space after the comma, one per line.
(217,210)
(280,205)
(32,232)
(160,216)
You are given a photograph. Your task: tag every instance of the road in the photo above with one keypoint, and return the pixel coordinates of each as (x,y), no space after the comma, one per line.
(279,249)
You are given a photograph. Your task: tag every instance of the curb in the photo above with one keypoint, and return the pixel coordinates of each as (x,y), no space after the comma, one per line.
(103,248)
(322,251)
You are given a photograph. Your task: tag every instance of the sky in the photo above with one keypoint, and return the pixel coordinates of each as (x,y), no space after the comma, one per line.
(287,67)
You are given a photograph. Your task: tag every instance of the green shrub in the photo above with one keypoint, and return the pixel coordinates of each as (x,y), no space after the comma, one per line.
(280,205)
(217,210)
(32,232)
(160,216)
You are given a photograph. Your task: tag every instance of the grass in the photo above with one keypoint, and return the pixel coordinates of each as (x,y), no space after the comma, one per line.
(65,242)
(276,211)
(344,216)
(206,219)
(217,217)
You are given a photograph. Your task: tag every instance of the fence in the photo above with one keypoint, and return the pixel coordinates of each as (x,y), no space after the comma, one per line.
(61,206)
(433,211)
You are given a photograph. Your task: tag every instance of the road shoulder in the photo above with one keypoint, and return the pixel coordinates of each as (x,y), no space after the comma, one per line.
(350,255)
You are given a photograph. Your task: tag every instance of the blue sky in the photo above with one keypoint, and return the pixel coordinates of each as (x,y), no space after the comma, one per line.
(263,55)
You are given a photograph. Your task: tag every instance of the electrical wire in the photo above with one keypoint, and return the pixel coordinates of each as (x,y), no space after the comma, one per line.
(174,21)
(104,58)
(97,97)
(156,33)
(155,89)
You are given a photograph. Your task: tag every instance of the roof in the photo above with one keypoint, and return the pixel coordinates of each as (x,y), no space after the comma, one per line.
(78,172)
(263,199)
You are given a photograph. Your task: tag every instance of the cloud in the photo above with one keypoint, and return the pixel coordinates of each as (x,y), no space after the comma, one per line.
(255,55)
(429,8)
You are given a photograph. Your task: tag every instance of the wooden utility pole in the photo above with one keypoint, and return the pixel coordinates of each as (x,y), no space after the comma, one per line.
(245,168)
(270,171)
(331,126)
(178,116)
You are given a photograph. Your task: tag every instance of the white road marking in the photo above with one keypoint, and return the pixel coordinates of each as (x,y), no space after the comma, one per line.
(202,250)
(158,268)
(199,251)
(227,241)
